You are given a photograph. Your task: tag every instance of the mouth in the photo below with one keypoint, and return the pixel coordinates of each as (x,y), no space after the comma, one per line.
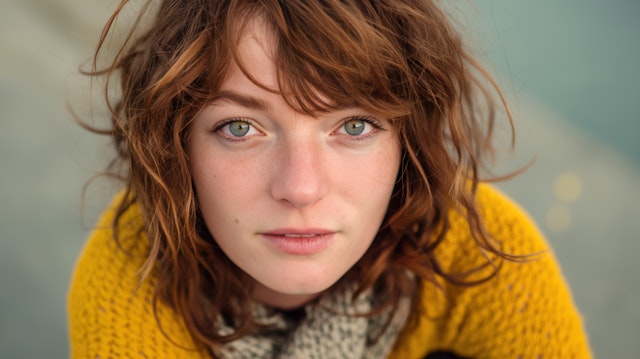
(309,235)
(298,232)
(299,242)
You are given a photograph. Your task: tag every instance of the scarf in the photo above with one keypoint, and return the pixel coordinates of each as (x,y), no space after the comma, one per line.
(331,328)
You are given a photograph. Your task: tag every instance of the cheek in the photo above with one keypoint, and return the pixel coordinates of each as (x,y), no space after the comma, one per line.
(208,180)
(226,188)
(375,173)
(368,182)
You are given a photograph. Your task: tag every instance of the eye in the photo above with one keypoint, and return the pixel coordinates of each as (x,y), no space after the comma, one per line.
(359,127)
(236,129)
(354,127)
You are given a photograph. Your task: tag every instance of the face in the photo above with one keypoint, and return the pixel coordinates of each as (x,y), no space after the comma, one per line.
(293,200)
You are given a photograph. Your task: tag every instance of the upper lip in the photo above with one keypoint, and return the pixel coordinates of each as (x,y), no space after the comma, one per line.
(298,232)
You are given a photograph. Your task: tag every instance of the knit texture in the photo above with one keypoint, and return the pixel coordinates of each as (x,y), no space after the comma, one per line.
(526,311)
(323,333)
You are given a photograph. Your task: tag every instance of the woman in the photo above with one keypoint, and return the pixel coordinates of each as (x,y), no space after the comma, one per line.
(303,182)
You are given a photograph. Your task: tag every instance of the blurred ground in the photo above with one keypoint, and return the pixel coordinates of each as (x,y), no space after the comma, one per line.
(574,94)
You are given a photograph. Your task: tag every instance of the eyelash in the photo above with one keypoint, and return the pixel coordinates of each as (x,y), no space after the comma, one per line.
(367,119)
(218,129)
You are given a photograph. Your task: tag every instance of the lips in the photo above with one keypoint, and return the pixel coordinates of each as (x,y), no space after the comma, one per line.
(299,241)
(300,235)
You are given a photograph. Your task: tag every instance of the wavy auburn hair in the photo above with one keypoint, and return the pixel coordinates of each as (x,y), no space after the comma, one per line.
(399,58)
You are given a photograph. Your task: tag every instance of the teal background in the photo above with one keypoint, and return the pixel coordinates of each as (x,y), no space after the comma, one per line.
(580,57)
(569,70)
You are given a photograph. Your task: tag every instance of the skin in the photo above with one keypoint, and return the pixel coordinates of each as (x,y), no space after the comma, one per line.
(293,200)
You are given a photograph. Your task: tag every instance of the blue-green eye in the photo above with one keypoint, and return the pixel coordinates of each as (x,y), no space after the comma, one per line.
(238,128)
(355,126)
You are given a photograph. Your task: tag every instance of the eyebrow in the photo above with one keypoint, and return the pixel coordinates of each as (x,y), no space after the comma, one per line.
(242,100)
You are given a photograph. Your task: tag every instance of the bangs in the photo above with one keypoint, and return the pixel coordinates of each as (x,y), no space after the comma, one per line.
(328,56)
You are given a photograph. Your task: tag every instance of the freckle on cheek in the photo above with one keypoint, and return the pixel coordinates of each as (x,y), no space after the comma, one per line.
(237,222)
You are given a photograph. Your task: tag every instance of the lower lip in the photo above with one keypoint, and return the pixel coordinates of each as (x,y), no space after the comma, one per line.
(300,245)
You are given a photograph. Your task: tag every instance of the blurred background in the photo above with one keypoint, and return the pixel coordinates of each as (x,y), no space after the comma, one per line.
(570,71)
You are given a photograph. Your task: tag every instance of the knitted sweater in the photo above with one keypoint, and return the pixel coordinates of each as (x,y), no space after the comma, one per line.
(526,311)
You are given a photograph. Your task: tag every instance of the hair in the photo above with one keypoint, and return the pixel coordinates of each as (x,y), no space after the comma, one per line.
(401,58)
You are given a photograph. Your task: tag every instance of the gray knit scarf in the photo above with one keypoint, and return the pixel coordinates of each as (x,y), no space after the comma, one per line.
(329,329)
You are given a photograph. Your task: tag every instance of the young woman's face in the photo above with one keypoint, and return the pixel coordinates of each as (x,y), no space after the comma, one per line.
(293,200)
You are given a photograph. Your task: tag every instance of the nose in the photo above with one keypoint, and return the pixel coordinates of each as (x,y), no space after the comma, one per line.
(298,178)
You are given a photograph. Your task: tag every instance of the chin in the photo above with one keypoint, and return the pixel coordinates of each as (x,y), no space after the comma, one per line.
(290,293)
(309,286)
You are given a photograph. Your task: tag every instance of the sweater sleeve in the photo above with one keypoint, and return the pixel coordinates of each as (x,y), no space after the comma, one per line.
(525,311)
(110,311)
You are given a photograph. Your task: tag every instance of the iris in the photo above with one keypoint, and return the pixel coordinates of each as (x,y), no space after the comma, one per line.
(354,127)
(239,128)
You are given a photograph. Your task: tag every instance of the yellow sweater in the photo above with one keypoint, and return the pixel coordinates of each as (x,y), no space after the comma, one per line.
(526,311)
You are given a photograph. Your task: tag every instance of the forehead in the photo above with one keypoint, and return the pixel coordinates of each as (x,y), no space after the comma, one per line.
(310,67)
(254,59)
(254,69)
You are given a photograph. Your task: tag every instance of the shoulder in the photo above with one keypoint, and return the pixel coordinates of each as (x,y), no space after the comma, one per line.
(508,225)
(526,309)
(110,309)
(103,259)
(506,221)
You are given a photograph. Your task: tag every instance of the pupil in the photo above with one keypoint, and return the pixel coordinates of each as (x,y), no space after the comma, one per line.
(239,128)
(354,127)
